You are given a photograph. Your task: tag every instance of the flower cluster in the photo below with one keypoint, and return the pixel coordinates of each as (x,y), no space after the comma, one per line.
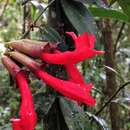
(74,88)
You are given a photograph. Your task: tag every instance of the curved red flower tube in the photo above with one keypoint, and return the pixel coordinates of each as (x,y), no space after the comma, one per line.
(28,118)
(77,92)
(74,74)
(84,49)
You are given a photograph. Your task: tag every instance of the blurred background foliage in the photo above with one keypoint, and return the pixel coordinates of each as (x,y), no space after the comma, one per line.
(84,15)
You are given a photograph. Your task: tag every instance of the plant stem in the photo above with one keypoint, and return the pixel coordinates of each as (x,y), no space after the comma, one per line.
(112,97)
(49,4)
(119,36)
(35,21)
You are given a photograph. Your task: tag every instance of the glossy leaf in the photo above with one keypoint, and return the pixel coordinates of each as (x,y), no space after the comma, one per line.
(50,34)
(125,100)
(74,115)
(6,127)
(85,1)
(114,71)
(38,5)
(125,4)
(125,51)
(112,1)
(88,1)
(79,16)
(101,122)
(109,13)
(25,2)
(99,3)
(43,103)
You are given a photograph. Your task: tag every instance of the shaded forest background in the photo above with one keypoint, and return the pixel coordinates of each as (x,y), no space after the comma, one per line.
(49,20)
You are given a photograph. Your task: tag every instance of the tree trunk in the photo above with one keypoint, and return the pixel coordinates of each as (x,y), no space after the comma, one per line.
(111,84)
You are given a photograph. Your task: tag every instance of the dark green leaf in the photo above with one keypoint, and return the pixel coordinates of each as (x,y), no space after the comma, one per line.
(85,1)
(109,13)
(38,5)
(25,2)
(50,34)
(79,16)
(74,115)
(114,71)
(97,2)
(125,100)
(112,1)
(43,103)
(125,4)
(125,51)
(6,127)
(101,122)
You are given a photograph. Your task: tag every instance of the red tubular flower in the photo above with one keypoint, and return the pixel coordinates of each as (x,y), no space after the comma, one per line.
(84,45)
(74,74)
(27,112)
(74,91)
(28,118)
(16,124)
(78,92)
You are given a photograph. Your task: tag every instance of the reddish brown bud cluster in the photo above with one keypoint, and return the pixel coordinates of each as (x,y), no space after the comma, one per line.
(74,88)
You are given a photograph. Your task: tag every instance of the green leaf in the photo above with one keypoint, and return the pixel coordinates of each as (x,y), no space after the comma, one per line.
(86,1)
(97,2)
(125,5)
(101,122)
(6,127)
(116,72)
(79,16)
(40,6)
(50,34)
(125,100)
(43,103)
(112,2)
(109,13)
(74,116)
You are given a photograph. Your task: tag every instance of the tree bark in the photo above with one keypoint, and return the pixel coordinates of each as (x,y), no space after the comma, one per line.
(111,84)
